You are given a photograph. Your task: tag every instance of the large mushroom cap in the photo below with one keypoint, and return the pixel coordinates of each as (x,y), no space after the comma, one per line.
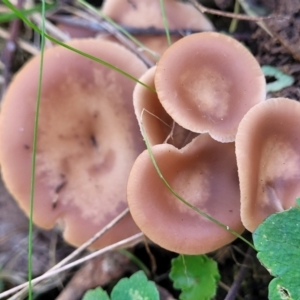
(207,82)
(204,173)
(145,14)
(268,157)
(88,139)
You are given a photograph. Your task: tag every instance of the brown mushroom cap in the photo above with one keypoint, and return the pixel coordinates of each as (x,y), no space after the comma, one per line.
(147,13)
(88,139)
(207,82)
(268,158)
(159,127)
(205,174)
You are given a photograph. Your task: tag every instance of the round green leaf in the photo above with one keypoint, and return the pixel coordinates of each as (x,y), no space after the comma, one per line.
(196,276)
(282,80)
(96,294)
(277,241)
(137,287)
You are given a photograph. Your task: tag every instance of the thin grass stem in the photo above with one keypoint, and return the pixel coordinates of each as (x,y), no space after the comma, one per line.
(80,249)
(165,20)
(34,147)
(234,22)
(200,212)
(132,239)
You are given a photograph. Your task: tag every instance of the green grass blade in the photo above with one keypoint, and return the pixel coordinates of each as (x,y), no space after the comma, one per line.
(35,28)
(234,22)
(7,17)
(165,20)
(200,212)
(34,147)
(136,260)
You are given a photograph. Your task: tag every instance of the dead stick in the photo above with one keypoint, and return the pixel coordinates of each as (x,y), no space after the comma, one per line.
(232,294)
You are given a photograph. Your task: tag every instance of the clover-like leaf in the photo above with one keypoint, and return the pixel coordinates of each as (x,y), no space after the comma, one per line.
(137,287)
(282,80)
(277,241)
(196,276)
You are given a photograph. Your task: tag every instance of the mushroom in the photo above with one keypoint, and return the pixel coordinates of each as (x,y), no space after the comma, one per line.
(207,82)
(204,173)
(268,158)
(146,14)
(157,124)
(88,139)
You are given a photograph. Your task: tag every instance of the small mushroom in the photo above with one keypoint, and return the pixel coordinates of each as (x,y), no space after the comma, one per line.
(204,173)
(159,127)
(207,82)
(88,139)
(146,14)
(268,158)
(149,112)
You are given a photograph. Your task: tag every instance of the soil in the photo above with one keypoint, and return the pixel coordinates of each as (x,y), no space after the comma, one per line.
(279,48)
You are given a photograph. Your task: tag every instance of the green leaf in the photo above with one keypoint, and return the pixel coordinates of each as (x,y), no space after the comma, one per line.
(277,241)
(96,294)
(282,80)
(7,17)
(137,287)
(196,276)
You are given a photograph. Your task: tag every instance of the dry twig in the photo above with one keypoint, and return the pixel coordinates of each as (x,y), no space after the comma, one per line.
(21,43)
(131,240)
(225,14)
(80,249)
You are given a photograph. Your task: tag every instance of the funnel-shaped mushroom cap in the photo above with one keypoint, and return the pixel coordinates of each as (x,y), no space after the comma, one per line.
(88,139)
(147,13)
(159,127)
(204,173)
(207,82)
(268,157)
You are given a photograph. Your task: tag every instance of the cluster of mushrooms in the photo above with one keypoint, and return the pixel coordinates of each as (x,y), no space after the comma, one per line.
(215,139)
(242,166)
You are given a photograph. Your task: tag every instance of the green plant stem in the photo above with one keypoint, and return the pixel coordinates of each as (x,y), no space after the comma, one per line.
(165,20)
(52,39)
(7,17)
(234,22)
(34,147)
(200,212)
(136,260)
